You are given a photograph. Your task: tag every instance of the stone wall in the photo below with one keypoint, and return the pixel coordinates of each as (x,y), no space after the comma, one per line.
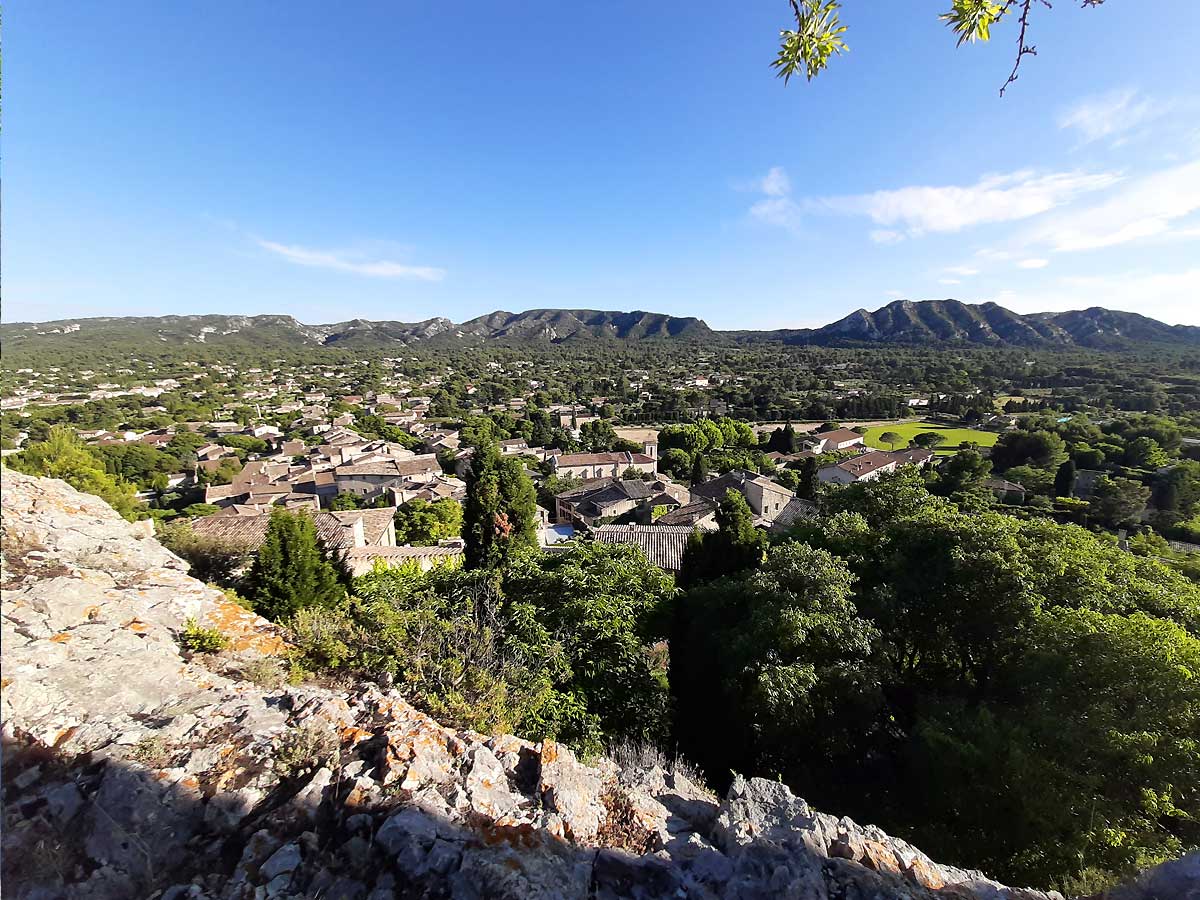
(133,769)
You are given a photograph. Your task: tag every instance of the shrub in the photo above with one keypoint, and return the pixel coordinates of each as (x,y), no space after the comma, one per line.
(306,747)
(267,672)
(210,560)
(197,639)
(151,751)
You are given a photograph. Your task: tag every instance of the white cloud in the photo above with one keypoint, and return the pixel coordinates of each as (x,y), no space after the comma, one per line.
(1167,296)
(777,206)
(962,270)
(1110,114)
(913,211)
(949,281)
(781,211)
(1033,263)
(776,183)
(351,262)
(995,198)
(1143,208)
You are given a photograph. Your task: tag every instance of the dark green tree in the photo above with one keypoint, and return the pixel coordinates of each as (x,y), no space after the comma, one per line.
(806,488)
(964,473)
(291,571)
(736,545)
(762,661)
(500,512)
(1118,501)
(1040,449)
(891,438)
(606,605)
(1064,479)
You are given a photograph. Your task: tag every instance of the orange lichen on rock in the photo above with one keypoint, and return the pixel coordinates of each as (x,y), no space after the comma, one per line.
(245,630)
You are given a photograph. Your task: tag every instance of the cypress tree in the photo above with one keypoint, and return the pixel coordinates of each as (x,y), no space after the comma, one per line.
(808,479)
(290,571)
(500,511)
(1064,479)
(699,469)
(789,439)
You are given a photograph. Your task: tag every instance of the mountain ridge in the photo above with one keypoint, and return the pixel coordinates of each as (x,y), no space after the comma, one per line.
(904,322)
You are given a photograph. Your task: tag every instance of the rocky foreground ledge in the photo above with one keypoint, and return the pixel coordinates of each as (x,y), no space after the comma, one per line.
(131,769)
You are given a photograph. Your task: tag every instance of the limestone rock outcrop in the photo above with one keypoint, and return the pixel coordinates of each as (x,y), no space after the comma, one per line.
(134,769)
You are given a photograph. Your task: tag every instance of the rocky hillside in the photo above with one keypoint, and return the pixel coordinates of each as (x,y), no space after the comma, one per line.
(940,322)
(133,768)
(280,333)
(925,322)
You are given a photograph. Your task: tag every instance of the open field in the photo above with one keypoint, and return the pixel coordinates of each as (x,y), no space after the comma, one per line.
(809,427)
(953,436)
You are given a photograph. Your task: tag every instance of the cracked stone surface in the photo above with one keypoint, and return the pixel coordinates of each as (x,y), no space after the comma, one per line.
(134,770)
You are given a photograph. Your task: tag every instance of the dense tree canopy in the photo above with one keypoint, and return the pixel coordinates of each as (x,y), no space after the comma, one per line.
(420,522)
(956,675)
(63,455)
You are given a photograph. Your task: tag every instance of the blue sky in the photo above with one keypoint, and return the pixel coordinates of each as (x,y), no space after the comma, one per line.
(404,160)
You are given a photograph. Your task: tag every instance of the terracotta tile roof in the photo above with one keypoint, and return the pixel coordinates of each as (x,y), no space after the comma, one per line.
(375,521)
(866,463)
(913,456)
(336,529)
(736,480)
(603,459)
(839,436)
(222,492)
(687,515)
(796,510)
(662,544)
(395,468)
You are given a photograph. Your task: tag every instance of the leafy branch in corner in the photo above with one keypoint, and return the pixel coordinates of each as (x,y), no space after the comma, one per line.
(817,36)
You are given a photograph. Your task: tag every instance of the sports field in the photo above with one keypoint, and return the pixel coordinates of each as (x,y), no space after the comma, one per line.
(909,430)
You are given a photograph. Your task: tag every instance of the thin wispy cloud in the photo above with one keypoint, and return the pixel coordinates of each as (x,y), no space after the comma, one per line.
(914,211)
(962,270)
(354,263)
(1033,264)
(777,207)
(1152,206)
(1110,114)
(776,183)
(1167,296)
(949,281)
(919,210)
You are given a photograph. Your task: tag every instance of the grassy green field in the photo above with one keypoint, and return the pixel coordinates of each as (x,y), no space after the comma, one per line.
(953,436)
